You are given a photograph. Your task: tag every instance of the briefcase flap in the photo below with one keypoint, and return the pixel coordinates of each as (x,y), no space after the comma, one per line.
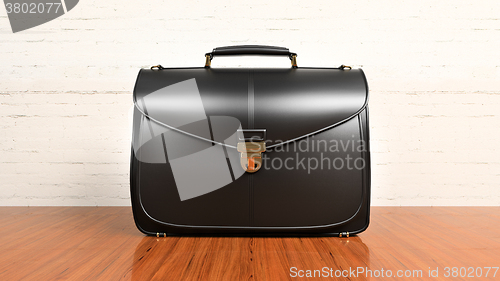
(289,104)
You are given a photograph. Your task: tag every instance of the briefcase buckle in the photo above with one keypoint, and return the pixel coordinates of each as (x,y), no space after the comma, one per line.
(251,155)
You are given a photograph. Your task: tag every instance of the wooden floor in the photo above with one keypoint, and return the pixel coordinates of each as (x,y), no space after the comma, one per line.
(102,243)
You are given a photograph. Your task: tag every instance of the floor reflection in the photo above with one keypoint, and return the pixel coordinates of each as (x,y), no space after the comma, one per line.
(236,258)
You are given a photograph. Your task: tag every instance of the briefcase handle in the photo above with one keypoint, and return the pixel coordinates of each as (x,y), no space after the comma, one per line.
(256,50)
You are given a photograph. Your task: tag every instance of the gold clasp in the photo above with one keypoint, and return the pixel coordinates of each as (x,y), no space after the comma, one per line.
(251,155)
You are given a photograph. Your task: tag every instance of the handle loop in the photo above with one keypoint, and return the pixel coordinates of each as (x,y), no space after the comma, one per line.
(256,50)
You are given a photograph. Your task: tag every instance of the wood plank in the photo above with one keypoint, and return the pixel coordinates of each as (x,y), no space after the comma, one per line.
(102,243)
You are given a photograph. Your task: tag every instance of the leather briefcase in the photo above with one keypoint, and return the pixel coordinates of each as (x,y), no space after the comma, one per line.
(272,151)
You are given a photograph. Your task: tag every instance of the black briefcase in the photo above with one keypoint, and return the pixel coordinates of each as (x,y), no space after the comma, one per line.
(273,151)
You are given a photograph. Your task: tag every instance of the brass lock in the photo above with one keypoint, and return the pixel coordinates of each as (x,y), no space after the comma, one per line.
(251,155)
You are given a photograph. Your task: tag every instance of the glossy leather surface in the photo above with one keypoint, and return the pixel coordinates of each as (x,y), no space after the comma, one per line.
(304,105)
(288,103)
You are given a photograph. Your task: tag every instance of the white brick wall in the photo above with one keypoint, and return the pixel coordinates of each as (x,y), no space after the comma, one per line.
(433,69)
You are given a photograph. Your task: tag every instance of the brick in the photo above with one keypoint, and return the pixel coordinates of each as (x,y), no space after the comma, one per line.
(432,69)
